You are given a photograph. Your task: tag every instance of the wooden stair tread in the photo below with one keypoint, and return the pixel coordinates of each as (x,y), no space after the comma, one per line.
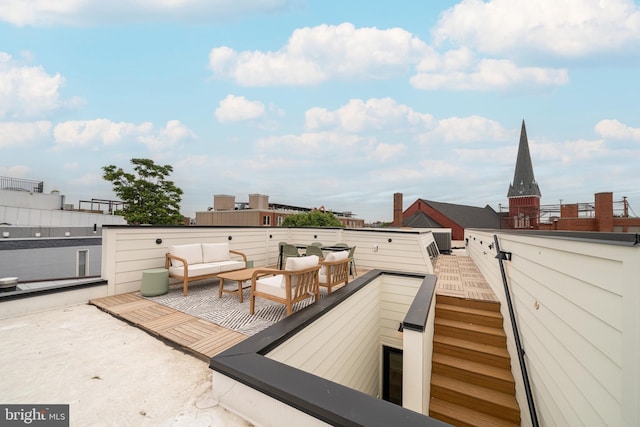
(478,347)
(470,310)
(467,302)
(463,416)
(506,400)
(469,365)
(470,327)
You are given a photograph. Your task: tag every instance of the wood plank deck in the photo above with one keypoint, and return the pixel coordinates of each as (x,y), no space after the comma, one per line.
(191,334)
(457,276)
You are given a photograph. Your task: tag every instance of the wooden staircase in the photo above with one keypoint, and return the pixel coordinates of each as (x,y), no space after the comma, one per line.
(471,380)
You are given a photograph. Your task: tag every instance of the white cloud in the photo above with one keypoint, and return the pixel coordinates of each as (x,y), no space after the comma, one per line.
(27,91)
(86,132)
(171,135)
(70,166)
(313,55)
(104,131)
(488,74)
(373,114)
(442,168)
(613,129)
(308,142)
(23,133)
(569,152)
(467,129)
(17,171)
(384,152)
(238,108)
(81,12)
(562,27)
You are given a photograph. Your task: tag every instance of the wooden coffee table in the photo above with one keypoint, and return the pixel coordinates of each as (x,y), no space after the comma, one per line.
(239,276)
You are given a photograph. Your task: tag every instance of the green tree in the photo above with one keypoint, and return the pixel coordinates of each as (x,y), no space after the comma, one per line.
(312,219)
(149,197)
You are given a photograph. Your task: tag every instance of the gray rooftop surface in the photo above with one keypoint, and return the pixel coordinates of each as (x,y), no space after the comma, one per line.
(110,373)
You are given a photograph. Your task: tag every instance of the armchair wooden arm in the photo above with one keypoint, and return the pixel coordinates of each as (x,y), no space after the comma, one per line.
(334,273)
(285,286)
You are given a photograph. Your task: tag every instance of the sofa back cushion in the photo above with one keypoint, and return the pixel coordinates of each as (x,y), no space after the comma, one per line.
(215,252)
(191,252)
(299,263)
(337,256)
(332,257)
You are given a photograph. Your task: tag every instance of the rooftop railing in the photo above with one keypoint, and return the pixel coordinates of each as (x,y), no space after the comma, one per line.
(17,184)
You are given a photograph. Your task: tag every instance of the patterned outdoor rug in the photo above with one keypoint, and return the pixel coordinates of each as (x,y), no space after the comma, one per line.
(203,302)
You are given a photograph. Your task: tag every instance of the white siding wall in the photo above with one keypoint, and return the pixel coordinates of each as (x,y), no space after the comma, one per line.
(128,251)
(406,251)
(343,346)
(576,305)
(396,296)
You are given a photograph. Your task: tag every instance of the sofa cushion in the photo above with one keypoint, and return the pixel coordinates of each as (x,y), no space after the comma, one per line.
(272,285)
(332,257)
(214,252)
(230,265)
(191,252)
(337,256)
(301,263)
(196,269)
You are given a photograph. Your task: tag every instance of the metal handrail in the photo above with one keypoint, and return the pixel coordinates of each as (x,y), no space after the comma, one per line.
(523,366)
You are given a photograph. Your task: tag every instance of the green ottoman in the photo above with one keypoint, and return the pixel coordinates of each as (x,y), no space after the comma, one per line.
(155,282)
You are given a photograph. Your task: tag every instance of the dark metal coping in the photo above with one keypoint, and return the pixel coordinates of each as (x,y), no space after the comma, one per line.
(245,227)
(323,399)
(416,318)
(30,293)
(624,239)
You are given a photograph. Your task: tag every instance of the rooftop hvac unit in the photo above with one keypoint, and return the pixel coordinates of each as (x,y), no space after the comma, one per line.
(68,206)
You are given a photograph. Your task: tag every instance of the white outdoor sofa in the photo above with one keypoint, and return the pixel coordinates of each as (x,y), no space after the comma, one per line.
(196,261)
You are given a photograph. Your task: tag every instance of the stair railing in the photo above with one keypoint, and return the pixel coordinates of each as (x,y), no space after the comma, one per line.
(502,256)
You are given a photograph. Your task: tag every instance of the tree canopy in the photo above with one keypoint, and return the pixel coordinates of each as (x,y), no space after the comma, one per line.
(312,219)
(149,197)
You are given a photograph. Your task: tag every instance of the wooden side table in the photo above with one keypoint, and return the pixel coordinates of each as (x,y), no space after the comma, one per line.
(239,276)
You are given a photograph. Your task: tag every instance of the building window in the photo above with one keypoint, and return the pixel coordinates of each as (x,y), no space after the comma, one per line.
(279,220)
(82,264)
(266,220)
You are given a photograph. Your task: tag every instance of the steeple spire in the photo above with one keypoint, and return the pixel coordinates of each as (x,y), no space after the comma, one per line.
(524,183)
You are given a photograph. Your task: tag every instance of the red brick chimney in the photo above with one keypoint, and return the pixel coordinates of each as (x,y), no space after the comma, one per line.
(397,210)
(604,211)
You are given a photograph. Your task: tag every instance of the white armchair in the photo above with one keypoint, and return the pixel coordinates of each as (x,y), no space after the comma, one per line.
(299,280)
(334,270)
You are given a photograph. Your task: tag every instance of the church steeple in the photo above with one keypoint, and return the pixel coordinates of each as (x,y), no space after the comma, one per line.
(524,183)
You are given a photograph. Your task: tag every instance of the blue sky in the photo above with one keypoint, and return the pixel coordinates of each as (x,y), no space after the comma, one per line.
(324,103)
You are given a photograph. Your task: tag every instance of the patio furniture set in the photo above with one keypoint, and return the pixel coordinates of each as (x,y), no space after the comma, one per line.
(300,278)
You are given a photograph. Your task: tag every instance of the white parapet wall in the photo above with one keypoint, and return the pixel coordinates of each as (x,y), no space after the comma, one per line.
(576,303)
(129,250)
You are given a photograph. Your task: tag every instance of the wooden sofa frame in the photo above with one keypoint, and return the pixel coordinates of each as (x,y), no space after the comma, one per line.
(185,278)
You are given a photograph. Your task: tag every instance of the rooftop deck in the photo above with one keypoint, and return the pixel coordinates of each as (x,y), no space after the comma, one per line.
(458,276)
